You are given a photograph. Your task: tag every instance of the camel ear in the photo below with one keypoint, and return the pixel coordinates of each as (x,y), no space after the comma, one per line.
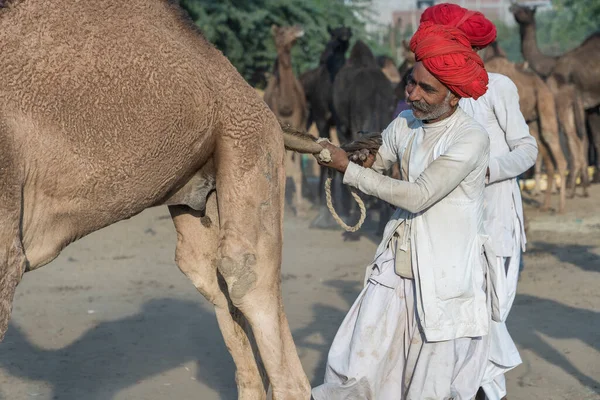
(329,30)
(405,44)
(274,29)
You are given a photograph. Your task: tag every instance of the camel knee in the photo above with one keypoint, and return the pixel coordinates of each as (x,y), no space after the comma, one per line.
(240,275)
(202,274)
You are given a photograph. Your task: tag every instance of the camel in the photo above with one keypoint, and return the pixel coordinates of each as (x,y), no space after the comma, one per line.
(388,67)
(318,87)
(537,106)
(573,77)
(285,97)
(114,107)
(364,102)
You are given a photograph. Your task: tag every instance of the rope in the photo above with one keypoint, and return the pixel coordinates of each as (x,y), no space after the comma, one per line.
(326,157)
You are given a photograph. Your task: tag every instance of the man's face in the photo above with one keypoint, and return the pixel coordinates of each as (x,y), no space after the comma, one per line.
(428,98)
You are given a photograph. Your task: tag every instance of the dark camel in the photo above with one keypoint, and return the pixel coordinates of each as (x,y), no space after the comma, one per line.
(112,107)
(285,97)
(318,87)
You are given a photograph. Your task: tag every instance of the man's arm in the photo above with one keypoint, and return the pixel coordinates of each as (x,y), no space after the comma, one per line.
(523,147)
(441,177)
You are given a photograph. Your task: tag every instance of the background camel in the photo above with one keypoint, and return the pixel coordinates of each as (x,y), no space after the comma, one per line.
(285,97)
(318,87)
(389,68)
(364,102)
(110,108)
(537,105)
(574,77)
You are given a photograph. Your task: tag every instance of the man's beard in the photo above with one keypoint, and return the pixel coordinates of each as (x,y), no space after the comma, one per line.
(427,112)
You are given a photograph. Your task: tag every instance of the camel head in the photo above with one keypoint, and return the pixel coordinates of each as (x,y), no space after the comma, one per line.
(286,36)
(407,54)
(341,34)
(523,15)
(339,41)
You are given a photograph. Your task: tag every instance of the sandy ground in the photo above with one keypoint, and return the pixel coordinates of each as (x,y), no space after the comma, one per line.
(113,318)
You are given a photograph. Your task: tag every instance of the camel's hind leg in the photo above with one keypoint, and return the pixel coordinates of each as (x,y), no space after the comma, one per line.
(566,117)
(543,151)
(12,255)
(197,242)
(293,166)
(250,185)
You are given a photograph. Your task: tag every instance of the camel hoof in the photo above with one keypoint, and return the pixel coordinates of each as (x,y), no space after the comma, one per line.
(545,208)
(324,220)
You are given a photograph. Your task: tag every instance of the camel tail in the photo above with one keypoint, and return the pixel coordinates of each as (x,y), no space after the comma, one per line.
(300,142)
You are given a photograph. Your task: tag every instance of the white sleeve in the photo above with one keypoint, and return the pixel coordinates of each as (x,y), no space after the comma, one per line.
(523,147)
(442,176)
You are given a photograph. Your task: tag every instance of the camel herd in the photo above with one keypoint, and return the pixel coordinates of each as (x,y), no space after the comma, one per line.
(557,94)
(109,108)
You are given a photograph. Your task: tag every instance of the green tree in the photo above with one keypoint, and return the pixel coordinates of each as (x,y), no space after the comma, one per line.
(241,29)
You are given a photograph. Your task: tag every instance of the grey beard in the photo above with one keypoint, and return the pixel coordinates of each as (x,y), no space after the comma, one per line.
(432,112)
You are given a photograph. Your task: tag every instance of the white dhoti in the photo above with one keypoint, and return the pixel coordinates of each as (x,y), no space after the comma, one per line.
(503,353)
(379,353)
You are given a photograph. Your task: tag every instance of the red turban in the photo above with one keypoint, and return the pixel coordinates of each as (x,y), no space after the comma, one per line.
(447,55)
(480,30)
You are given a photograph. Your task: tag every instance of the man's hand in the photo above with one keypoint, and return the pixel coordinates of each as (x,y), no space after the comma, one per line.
(362,157)
(339,158)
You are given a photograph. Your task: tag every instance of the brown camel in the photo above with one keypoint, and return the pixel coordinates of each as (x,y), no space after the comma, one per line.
(388,67)
(112,107)
(285,97)
(537,106)
(574,78)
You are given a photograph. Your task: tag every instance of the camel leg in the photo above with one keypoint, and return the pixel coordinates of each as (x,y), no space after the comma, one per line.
(550,136)
(295,161)
(567,121)
(537,174)
(579,111)
(543,151)
(12,255)
(195,255)
(594,122)
(250,185)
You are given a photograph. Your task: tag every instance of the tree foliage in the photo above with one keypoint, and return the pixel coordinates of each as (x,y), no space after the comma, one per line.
(241,29)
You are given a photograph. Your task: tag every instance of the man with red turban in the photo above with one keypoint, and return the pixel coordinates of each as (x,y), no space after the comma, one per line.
(418,329)
(512,152)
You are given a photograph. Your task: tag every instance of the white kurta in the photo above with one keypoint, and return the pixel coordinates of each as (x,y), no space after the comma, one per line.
(423,338)
(512,151)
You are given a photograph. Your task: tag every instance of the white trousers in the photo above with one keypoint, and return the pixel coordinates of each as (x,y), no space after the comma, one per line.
(503,353)
(379,353)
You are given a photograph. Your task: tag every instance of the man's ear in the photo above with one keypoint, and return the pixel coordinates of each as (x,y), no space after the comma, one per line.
(454,99)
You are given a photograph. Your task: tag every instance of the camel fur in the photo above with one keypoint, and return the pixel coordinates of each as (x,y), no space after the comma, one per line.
(112,107)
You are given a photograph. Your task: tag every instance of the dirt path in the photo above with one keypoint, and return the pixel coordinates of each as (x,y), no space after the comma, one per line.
(113,318)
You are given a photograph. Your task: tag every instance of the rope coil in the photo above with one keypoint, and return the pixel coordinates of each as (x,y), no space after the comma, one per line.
(325,156)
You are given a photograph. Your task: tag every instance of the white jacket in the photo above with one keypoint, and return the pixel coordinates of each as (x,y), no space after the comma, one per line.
(445,204)
(512,151)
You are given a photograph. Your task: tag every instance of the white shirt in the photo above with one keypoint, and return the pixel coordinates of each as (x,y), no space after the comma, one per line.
(444,201)
(512,151)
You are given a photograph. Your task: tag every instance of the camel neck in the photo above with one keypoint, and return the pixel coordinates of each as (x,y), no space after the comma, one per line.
(285,74)
(541,63)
